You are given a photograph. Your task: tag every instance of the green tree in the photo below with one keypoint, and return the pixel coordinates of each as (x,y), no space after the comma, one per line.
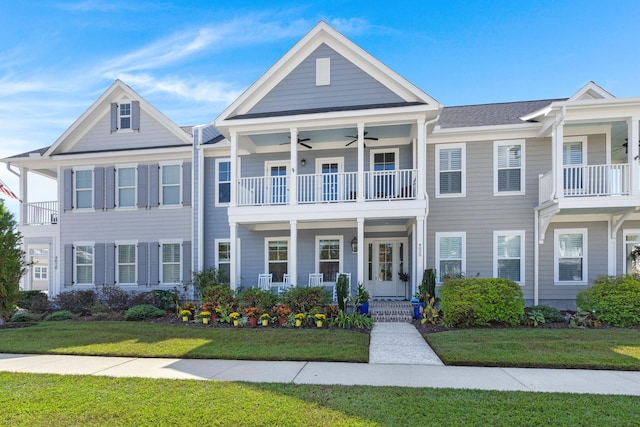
(12,262)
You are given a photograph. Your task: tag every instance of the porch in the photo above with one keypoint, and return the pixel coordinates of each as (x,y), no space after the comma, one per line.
(39,213)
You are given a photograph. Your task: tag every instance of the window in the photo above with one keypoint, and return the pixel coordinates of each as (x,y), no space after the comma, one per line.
(450,252)
(571,255)
(84,264)
(223,181)
(278,182)
(126,264)
(383,165)
(124,115)
(223,258)
(329,183)
(40,272)
(631,242)
(126,187)
(450,173)
(84,188)
(509,167)
(170,263)
(277,257)
(508,255)
(573,157)
(329,256)
(171,181)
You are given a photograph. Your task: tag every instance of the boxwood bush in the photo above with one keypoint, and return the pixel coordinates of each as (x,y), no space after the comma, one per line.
(613,300)
(143,311)
(551,314)
(481,302)
(59,315)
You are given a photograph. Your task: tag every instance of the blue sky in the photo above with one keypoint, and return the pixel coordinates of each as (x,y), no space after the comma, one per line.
(190,59)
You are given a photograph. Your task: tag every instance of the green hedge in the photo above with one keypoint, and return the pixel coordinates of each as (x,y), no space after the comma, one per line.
(613,300)
(481,302)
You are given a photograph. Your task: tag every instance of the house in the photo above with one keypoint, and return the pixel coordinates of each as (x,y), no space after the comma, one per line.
(333,163)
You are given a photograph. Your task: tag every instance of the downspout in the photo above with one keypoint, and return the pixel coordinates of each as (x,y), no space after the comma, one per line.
(200,190)
(556,175)
(426,194)
(11,170)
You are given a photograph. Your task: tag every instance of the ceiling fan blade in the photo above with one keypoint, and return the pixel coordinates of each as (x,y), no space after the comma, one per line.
(348,144)
(304,145)
(284,143)
(304,139)
(371,138)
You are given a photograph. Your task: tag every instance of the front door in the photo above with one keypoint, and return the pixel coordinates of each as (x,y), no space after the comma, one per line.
(385,259)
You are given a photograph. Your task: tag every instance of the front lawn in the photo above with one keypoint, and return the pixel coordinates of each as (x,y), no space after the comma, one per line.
(613,348)
(35,399)
(142,339)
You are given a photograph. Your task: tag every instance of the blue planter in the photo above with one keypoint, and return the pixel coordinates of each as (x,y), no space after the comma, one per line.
(416,310)
(364,308)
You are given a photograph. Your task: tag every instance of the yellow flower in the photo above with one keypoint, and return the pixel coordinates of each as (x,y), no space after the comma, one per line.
(299,316)
(185,313)
(320,316)
(235,315)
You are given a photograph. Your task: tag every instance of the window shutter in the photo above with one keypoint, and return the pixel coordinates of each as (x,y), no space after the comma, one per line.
(98,263)
(98,188)
(186,184)
(186,262)
(143,186)
(68,189)
(114,117)
(143,264)
(111,264)
(68,265)
(110,175)
(154,184)
(135,115)
(154,263)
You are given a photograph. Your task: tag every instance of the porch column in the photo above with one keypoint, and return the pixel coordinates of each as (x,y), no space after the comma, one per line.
(557,139)
(293,253)
(24,196)
(422,160)
(293,184)
(233,248)
(234,171)
(360,196)
(420,253)
(360,250)
(633,151)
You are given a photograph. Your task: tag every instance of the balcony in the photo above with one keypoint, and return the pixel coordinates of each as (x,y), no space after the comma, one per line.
(327,187)
(40,213)
(588,181)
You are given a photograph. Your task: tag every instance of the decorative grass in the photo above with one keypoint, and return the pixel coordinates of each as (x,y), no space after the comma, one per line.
(616,348)
(34,399)
(141,339)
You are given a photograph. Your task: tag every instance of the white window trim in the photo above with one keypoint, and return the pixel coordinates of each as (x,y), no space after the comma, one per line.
(266,250)
(319,182)
(556,256)
(161,185)
(583,139)
(130,128)
(463,264)
(135,247)
(338,160)
(41,269)
(93,189)
(75,264)
(218,182)
(373,152)
(523,184)
(267,173)
(463,177)
(133,166)
(160,263)
(216,254)
(626,232)
(520,233)
(317,253)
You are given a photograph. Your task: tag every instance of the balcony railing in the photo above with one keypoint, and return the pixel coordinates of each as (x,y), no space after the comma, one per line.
(327,187)
(41,213)
(588,181)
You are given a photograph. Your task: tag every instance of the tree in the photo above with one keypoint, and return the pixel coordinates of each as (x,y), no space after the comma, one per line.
(12,262)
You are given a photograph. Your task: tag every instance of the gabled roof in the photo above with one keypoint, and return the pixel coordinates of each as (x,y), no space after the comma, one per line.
(506,113)
(591,91)
(321,34)
(101,107)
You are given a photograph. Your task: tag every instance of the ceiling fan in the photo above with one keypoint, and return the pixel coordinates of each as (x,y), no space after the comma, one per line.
(355,138)
(301,141)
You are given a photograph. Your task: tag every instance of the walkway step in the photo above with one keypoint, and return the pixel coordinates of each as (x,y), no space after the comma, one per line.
(391,311)
(399,343)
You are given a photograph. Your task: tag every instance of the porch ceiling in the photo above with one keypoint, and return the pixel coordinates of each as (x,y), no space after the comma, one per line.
(374,225)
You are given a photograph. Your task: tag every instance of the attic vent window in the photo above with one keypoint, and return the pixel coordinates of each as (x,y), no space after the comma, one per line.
(125,116)
(323,71)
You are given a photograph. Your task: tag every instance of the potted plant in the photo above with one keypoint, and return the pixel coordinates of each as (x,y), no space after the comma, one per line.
(211,308)
(319,318)
(264,319)
(252,315)
(185,314)
(235,317)
(205,316)
(281,311)
(362,300)
(299,318)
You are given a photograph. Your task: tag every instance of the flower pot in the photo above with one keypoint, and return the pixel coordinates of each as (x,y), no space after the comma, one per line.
(363,308)
(416,310)
(298,322)
(235,323)
(282,321)
(253,321)
(205,320)
(185,318)
(265,322)
(319,323)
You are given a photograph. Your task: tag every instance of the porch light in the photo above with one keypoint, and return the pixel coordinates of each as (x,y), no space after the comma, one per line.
(354,245)
(303,162)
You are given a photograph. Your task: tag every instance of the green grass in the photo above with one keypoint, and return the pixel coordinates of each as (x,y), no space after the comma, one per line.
(53,400)
(551,348)
(141,339)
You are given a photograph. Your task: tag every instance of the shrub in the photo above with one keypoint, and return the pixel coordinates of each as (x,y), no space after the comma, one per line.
(34,301)
(303,300)
(143,311)
(428,284)
(78,302)
(206,279)
(163,299)
(481,302)
(551,314)
(219,295)
(59,315)
(24,317)
(342,289)
(256,297)
(613,300)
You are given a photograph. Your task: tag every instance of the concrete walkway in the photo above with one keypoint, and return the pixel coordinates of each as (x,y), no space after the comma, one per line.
(400,343)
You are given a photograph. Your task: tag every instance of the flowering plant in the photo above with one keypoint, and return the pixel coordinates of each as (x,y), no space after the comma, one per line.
(281,310)
(234,315)
(320,317)
(185,313)
(252,311)
(299,316)
(205,314)
(265,316)
(189,307)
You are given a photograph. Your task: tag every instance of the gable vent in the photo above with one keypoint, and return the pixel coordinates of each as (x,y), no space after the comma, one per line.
(323,71)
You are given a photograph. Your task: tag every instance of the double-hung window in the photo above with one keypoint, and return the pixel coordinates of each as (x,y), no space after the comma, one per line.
(171,181)
(223,258)
(508,167)
(83,187)
(126,187)
(450,170)
(126,264)
(170,263)
(451,254)
(277,257)
(329,256)
(508,258)
(570,256)
(84,264)
(223,181)
(40,272)
(124,115)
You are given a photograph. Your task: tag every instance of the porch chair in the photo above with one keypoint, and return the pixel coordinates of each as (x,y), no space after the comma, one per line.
(316,279)
(264,281)
(286,283)
(335,295)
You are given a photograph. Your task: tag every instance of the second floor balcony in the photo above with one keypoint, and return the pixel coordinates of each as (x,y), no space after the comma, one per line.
(40,213)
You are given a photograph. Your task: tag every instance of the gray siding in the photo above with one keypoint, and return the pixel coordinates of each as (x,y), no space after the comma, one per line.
(596,150)
(349,86)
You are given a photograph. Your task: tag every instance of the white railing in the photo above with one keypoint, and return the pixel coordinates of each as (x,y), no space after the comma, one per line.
(545,187)
(386,185)
(596,180)
(263,190)
(41,213)
(327,187)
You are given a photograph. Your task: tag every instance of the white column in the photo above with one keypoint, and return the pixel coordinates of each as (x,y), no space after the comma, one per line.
(360,196)
(234,169)
(24,195)
(557,140)
(422,160)
(293,180)
(360,250)
(420,252)
(633,151)
(233,248)
(293,253)
(611,250)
